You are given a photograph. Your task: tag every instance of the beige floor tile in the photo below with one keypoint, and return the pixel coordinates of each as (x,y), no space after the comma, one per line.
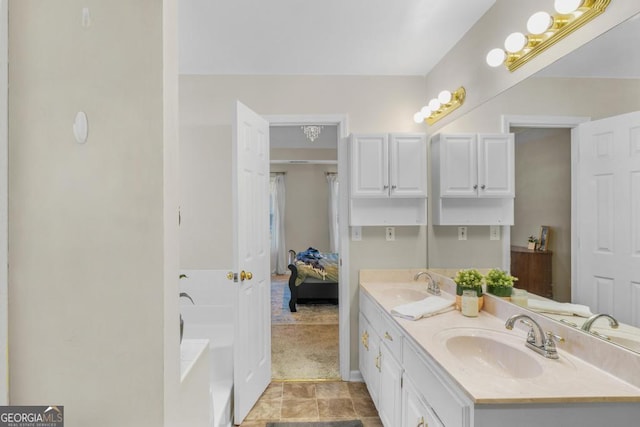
(332,390)
(364,407)
(302,390)
(265,409)
(299,409)
(371,422)
(358,390)
(336,408)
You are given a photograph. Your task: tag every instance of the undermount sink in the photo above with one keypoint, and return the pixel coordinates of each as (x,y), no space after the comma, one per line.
(404,294)
(488,352)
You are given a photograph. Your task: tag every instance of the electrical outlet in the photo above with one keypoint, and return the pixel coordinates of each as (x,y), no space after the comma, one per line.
(356,233)
(494,232)
(390,234)
(462,233)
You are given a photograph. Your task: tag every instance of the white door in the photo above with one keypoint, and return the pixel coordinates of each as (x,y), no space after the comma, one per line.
(408,165)
(608,217)
(496,165)
(252,339)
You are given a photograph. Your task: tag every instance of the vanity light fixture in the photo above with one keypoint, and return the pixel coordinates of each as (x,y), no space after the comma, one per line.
(439,107)
(312,132)
(545,30)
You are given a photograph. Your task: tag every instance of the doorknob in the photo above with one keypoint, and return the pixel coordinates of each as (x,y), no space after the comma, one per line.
(246,275)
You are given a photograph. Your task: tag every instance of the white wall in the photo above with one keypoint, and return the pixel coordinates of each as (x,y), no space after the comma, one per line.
(92,254)
(373,104)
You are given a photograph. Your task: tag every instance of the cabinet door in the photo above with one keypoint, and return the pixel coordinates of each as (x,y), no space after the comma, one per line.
(458,166)
(415,412)
(369,358)
(390,398)
(496,161)
(408,165)
(369,165)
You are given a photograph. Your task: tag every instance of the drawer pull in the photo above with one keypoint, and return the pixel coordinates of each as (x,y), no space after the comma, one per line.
(365,340)
(378,362)
(387,336)
(421,423)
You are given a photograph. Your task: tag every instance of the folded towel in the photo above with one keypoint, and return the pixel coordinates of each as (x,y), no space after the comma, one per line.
(424,308)
(554,307)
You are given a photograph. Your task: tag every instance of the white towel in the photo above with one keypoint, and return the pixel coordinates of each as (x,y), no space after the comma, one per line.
(429,306)
(554,307)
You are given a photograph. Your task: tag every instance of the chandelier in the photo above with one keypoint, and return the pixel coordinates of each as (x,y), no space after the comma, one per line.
(312,132)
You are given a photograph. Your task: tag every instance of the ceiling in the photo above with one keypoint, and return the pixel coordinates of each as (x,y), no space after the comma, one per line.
(321,37)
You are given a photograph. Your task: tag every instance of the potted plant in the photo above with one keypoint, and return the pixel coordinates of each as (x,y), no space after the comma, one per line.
(469,279)
(499,283)
(533,241)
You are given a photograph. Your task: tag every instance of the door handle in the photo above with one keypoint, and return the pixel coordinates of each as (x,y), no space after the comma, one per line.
(246,275)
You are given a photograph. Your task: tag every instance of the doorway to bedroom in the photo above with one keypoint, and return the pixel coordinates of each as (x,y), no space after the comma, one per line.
(304,194)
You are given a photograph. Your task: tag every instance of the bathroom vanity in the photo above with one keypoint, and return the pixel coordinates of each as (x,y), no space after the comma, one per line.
(450,370)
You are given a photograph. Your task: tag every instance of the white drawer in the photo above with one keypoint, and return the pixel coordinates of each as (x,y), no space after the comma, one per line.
(391,335)
(371,311)
(449,406)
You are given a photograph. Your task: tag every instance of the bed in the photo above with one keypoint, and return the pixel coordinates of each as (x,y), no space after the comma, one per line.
(314,277)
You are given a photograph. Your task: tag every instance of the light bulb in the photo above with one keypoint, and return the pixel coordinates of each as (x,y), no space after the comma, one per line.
(425,111)
(539,22)
(418,117)
(515,42)
(444,97)
(434,104)
(567,6)
(495,57)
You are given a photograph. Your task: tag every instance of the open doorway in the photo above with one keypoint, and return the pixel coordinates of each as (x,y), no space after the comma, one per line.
(556,132)
(308,343)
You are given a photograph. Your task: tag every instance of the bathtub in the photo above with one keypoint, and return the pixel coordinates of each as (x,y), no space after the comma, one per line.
(211,317)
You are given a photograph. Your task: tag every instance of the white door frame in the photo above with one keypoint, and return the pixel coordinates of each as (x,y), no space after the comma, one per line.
(4,223)
(339,120)
(570,122)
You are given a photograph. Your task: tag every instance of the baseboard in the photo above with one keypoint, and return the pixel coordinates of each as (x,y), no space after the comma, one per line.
(356,377)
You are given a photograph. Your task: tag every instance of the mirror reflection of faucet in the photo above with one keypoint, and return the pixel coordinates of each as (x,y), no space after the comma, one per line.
(586,326)
(432,286)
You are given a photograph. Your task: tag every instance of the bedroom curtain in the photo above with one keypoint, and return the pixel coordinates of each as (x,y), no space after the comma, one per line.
(332,179)
(278,245)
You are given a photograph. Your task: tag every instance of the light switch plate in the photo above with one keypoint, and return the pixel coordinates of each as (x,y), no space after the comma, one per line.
(462,233)
(494,232)
(356,233)
(390,234)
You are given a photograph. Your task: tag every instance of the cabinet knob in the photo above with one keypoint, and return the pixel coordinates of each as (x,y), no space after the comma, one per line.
(475,187)
(393,187)
(385,187)
(387,336)
(483,186)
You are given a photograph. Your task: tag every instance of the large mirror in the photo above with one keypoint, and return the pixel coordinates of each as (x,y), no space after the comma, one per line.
(612,61)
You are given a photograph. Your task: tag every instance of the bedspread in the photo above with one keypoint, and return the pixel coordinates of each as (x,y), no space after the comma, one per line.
(317,265)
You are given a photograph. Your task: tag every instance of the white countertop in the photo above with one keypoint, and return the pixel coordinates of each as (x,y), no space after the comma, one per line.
(567,379)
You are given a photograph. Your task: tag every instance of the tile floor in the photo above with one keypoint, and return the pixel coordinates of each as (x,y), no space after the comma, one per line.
(314,401)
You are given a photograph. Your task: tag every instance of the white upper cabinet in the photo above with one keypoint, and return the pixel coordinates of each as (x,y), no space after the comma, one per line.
(473,165)
(389,165)
(388,184)
(473,179)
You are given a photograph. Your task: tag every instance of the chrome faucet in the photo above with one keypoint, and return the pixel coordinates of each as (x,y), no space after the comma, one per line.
(537,340)
(432,286)
(586,326)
